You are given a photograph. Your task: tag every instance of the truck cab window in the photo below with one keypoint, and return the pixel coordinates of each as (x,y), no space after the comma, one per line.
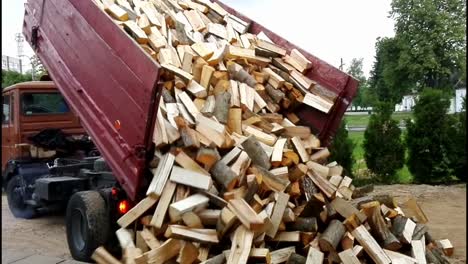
(43,103)
(6,109)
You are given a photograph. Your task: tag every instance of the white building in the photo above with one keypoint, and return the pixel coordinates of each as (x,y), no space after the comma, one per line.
(456,103)
(12,64)
(407,103)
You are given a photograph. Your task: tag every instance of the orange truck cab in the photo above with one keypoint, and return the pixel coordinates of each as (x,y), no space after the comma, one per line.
(28,108)
(41,136)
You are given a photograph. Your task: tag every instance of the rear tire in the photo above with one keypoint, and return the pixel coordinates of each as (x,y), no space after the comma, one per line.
(16,202)
(87,223)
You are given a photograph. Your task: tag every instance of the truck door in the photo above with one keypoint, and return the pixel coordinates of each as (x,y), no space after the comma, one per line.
(8,142)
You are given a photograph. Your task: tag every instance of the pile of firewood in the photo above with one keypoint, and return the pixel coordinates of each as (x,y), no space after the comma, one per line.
(236,179)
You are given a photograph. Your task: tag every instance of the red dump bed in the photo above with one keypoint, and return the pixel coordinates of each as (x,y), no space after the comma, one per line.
(111,83)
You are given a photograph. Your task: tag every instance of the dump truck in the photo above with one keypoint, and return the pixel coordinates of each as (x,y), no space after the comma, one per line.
(114,87)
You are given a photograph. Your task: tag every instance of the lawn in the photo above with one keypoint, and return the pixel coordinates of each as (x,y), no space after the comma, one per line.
(360,168)
(363,120)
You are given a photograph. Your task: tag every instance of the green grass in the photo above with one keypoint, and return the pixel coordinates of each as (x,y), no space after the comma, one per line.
(360,168)
(363,120)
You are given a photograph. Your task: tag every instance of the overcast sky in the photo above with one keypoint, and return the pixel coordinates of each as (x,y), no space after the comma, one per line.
(329,29)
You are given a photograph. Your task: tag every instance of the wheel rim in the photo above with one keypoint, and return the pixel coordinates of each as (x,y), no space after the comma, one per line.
(78,226)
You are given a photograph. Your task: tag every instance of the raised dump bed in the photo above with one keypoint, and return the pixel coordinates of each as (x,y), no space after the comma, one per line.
(112,84)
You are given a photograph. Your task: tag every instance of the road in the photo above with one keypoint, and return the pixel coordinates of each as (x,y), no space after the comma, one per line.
(43,240)
(362,129)
(40,241)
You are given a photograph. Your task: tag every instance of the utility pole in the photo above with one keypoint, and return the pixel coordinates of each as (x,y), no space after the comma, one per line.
(341,64)
(19,38)
(19,45)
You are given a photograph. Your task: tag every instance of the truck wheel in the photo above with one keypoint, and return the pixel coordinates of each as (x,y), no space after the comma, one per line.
(16,203)
(87,224)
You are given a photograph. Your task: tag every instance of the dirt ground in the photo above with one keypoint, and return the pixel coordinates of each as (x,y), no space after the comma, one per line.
(445,207)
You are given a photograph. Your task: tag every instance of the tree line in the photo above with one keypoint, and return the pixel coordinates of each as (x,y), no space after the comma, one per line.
(427,57)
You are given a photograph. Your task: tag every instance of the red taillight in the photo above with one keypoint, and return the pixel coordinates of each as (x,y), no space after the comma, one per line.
(114,192)
(123,207)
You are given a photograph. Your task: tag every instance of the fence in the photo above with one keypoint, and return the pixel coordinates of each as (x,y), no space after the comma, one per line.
(12,64)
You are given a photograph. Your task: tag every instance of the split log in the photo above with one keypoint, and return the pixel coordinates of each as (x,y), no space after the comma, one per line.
(238,73)
(300,149)
(446,246)
(398,257)
(347,257)
(309,187)
(188,163)
(192,220)
(417,251)
(102,256)
(224,175)
(305,224)
(345,209)
(320,155)
(163,205)
(331,237)
(221,109)
(209,106)
(281,255)
(235,120)
(149,239)
(192,234)
(325,186)
(188,135)
(166,251)
(275,94)
(436,255)
(381,232)
(256,153)
(370,245)
(188,253)
(136,211)
(403,229)
(298,172)
(347,242)
(296,259)
(277,215)
(246,214)
(240,166)
(191,178)
(191,203)
(412,209)
(241,246)
(161,174)
(419,231)
(208,156)
(218,259)
(226,220)
(272,182)
(314,256)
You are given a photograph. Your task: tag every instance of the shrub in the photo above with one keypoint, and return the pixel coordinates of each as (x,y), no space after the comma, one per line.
(457,142)
(342,149)
(384,149)
(12,77)
(430,138)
